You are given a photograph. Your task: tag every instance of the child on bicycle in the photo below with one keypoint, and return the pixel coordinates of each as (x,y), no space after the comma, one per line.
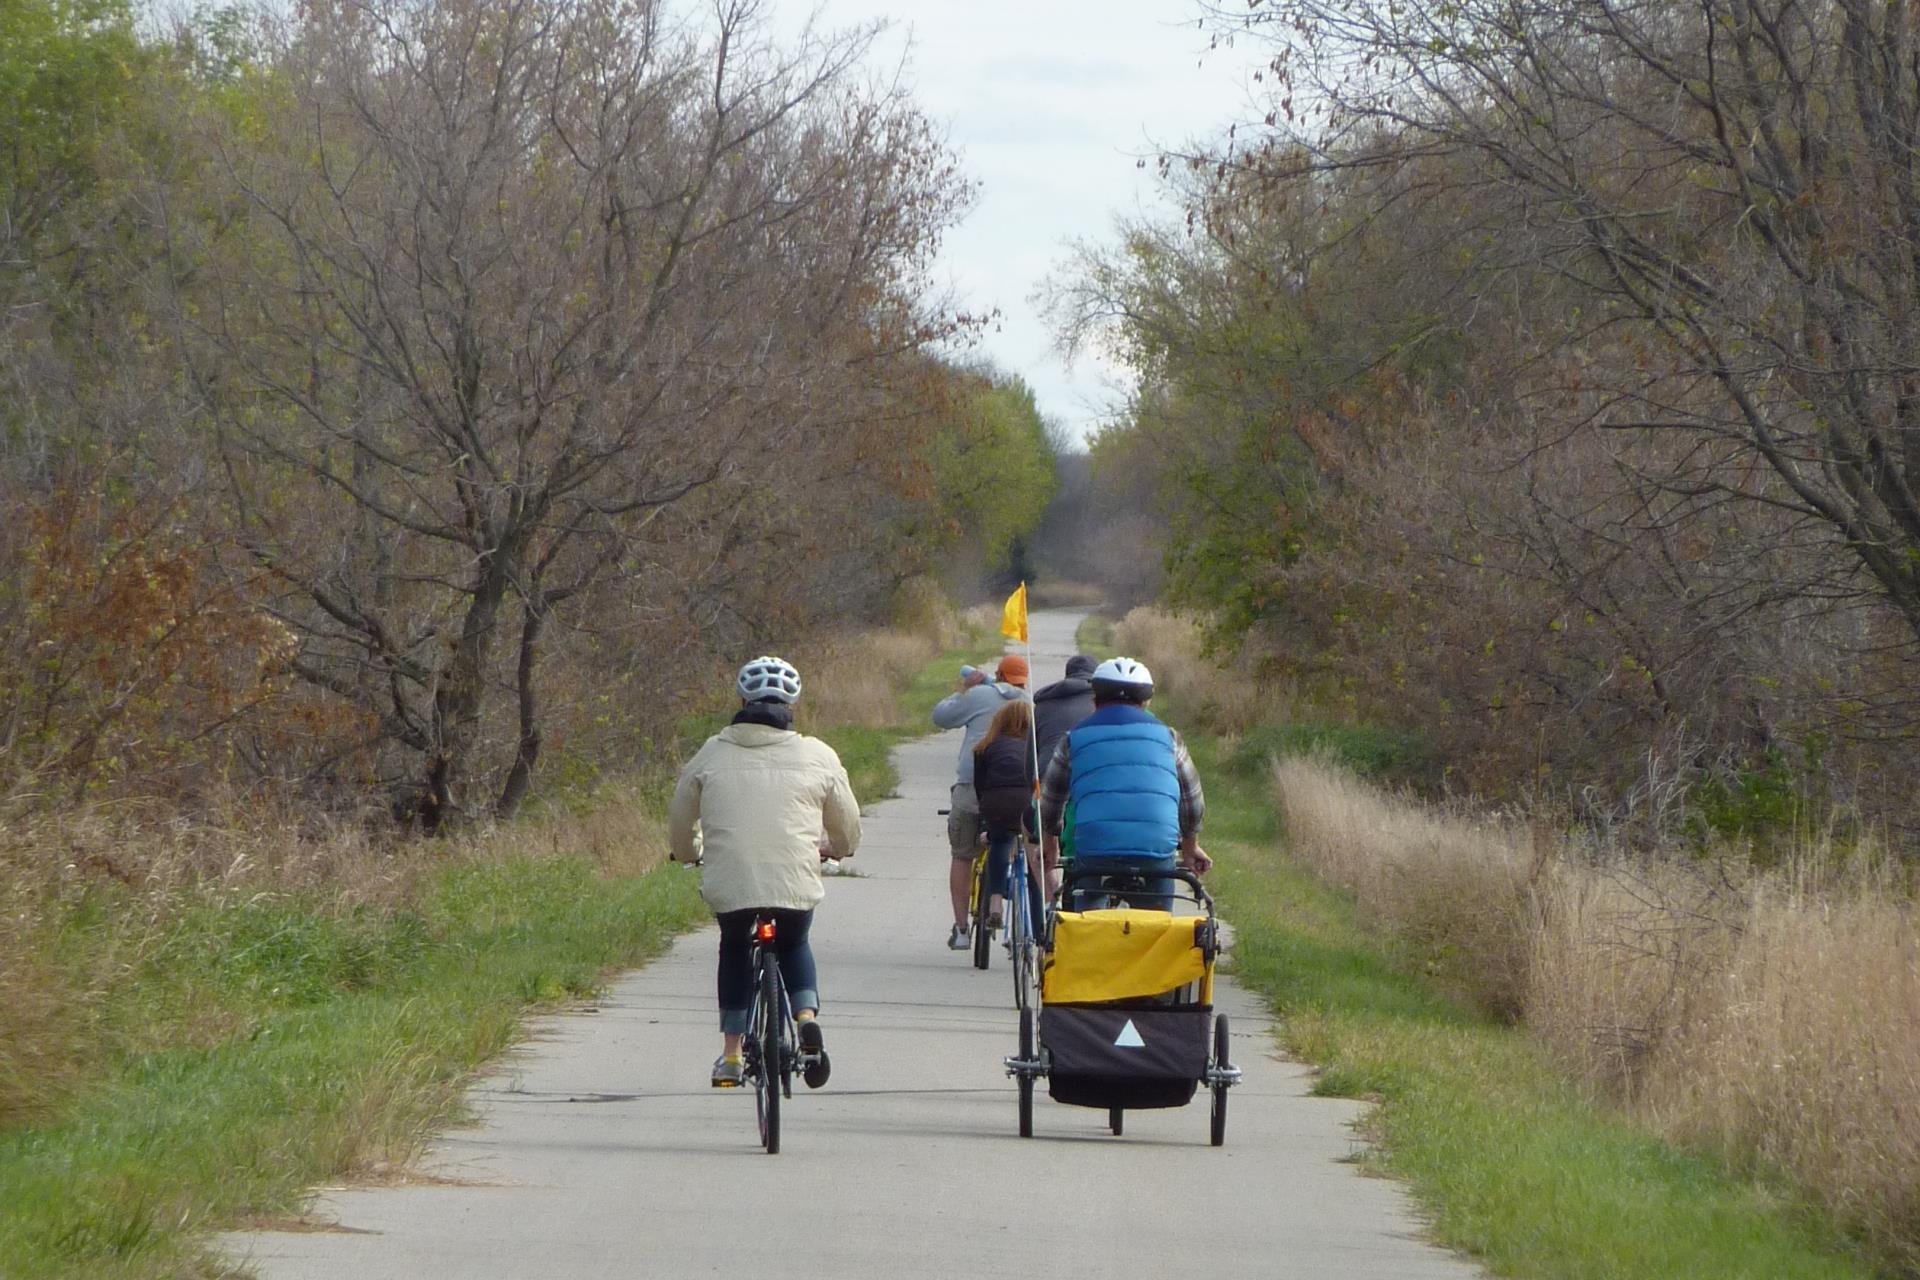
(760,806)
(1004,775)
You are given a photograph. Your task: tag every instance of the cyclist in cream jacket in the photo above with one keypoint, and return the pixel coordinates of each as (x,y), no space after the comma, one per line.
(760,806)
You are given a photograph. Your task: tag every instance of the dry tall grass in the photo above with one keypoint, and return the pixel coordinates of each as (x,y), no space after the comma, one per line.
(36,1028)
(621,833)
(141,868)
(1458,888)
(1806,1051)
(1771,1017)
(856,680)
(980,619)
(1621,958)
(1225,699)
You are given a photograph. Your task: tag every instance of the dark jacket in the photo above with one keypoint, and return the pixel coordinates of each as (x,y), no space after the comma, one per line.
(1057,708)
(1003,778)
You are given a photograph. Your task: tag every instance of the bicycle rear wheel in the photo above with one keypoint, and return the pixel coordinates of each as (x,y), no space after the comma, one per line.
(765,1037)
(982,908)
(789,1038)
(1020,939)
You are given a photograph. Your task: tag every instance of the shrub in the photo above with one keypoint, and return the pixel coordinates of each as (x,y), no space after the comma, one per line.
(1210,695)
(1379,754)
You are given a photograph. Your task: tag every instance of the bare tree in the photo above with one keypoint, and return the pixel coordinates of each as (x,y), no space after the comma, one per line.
(520,278)
(1728,183)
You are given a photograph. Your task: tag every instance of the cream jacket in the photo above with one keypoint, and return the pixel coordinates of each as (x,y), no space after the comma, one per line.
(754,803)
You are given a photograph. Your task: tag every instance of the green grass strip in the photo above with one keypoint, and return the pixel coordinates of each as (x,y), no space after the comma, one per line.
(1507,1159)
(359,1036)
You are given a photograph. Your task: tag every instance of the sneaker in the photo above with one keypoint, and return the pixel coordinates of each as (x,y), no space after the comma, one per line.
(728,1073)
(813,1053)
(958,940)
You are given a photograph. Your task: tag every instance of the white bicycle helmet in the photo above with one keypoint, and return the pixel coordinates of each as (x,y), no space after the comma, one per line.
(1122,678)
(768,679)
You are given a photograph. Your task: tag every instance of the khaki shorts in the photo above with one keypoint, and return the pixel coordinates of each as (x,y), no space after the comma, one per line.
(963,822)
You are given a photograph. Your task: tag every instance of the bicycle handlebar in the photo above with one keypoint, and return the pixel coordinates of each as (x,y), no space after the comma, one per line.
(1074,875)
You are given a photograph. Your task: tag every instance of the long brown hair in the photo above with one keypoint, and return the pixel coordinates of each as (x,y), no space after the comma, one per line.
(1015,720)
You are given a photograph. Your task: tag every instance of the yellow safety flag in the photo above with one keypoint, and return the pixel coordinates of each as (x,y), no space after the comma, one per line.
(1013,620)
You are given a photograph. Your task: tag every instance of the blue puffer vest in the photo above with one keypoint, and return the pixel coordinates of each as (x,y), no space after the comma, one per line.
(1125,792)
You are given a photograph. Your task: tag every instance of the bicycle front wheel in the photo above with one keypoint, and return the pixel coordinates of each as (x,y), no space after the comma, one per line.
(766,1048)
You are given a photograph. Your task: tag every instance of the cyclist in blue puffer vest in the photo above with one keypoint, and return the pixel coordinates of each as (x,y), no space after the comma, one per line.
(1135,795)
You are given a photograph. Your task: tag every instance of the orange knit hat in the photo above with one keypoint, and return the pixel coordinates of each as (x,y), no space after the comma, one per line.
(1013,670)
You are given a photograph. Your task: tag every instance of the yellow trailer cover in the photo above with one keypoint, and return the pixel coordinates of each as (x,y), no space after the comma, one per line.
(1123,953)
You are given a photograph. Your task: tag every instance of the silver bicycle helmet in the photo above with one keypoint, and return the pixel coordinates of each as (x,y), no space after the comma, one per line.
(768,679)
(1122,678)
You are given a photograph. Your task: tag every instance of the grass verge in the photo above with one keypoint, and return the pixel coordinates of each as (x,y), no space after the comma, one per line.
(344,1037)
(1509,1161)
(232,1043)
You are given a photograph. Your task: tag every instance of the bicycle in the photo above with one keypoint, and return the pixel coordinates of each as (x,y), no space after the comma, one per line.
(979,903)
(772,1051)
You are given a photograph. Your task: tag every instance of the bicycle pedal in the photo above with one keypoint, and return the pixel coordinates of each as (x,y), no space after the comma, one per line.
(815,1068)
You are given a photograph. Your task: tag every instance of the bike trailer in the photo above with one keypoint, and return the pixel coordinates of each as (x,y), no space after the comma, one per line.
(1126,1008)
(1126,1019)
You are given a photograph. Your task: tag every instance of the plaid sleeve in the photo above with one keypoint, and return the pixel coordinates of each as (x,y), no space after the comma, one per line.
(1054,788)
(1193,801)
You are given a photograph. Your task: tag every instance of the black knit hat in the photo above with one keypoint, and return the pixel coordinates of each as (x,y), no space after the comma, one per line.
(1080,665)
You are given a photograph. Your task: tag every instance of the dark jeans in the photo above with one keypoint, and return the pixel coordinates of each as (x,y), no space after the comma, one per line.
(790,948)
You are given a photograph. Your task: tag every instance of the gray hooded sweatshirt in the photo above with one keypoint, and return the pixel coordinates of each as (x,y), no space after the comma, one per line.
(974,709)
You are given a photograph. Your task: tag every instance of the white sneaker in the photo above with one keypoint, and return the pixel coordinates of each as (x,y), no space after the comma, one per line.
(958,940)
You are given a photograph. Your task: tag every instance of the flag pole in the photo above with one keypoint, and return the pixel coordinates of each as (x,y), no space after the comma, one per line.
(1037,863)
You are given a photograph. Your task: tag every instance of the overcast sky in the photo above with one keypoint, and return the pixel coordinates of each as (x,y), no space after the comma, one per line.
(1050,105)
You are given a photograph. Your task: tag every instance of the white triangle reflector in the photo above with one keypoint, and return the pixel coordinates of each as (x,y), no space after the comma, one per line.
(1129,1037)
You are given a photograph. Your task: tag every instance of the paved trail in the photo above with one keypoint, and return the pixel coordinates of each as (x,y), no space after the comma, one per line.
(601,1151)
